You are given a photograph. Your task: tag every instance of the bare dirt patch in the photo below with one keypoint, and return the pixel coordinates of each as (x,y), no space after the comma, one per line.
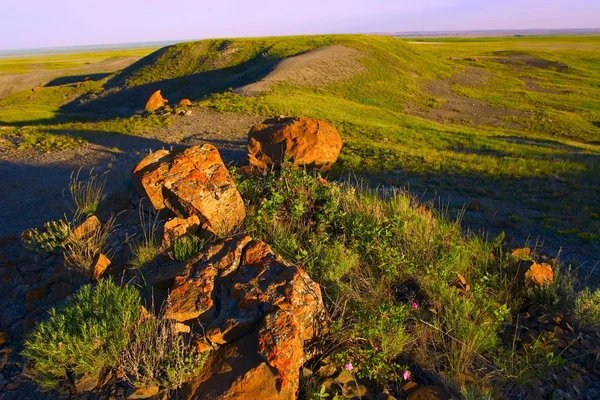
(319,67)
(33,182)
(526,60)
(457,108)
(11,84)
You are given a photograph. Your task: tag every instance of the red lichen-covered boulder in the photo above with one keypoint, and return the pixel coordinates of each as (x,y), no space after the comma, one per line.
(257,310)
(191,182)
(155,102)
(306,141)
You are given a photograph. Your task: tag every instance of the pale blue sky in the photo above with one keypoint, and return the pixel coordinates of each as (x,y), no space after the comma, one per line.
(50,23)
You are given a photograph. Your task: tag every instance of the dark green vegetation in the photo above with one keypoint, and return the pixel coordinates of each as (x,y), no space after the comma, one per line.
(86,336)
(389,268)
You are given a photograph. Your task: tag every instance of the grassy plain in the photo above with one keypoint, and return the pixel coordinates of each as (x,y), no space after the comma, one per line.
(21,65)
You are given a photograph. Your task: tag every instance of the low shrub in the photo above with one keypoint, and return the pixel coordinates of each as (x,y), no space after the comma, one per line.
(86,336)
(158,355)
(51,238)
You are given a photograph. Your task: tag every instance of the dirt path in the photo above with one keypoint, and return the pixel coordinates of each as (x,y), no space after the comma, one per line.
(457,108)
(10,84)
(33,182)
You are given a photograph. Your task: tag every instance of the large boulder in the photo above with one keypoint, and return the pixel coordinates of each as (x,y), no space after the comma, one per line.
(257,310)
(305,140)
(155,102)
(192,182)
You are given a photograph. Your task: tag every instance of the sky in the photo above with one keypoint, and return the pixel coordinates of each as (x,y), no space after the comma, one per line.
(58,23)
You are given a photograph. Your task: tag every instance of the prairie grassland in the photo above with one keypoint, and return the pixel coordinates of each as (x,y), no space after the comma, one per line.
(535,171)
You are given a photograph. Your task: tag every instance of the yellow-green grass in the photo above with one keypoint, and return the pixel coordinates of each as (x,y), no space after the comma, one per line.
(20,65)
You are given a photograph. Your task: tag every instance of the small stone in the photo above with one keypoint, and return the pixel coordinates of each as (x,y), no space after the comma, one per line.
(144,392)
(35,295)
(539,274)
(59,291)
(188,113)
(86,229)
(409,387)
(184,103)
(176,228)
(429,392)
(474,205)
(522,253)
(100,265)
(327,370)
(37,89)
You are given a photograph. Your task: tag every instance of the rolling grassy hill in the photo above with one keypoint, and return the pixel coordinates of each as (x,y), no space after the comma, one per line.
(518,131)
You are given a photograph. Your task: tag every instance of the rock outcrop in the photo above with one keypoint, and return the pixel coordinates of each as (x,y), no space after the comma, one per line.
(257,310)
(192,182)
(155,102)
(306,141)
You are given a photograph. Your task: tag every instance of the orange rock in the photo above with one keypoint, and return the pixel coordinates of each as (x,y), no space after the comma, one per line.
(100,265)
(37,89)
(193,182)
(144,392)
(178,227)
(267,310)
(184,103)
(539,274)
(428,392)
(155,102)
(86,229)
(306,141)
(521,254)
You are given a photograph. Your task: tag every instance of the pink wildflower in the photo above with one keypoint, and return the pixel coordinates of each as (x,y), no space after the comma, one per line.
(349,367)
(414,305)
(376,348)
(406,375)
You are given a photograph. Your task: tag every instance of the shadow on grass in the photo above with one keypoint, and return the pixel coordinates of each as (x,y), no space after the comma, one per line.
(123,102)
(68,80)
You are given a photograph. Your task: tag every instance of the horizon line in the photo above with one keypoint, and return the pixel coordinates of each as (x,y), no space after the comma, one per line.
(30,50)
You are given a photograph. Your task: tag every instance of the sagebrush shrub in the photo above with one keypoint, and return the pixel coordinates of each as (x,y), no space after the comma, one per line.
(51,238)
(86,336)
(159,355)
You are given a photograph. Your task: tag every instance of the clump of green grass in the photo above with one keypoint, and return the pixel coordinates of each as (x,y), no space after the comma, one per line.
(186,247)
(158,355)
(51,238)
(587,308)
(80,253)
(86,195)
(84,338)
(146,248)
